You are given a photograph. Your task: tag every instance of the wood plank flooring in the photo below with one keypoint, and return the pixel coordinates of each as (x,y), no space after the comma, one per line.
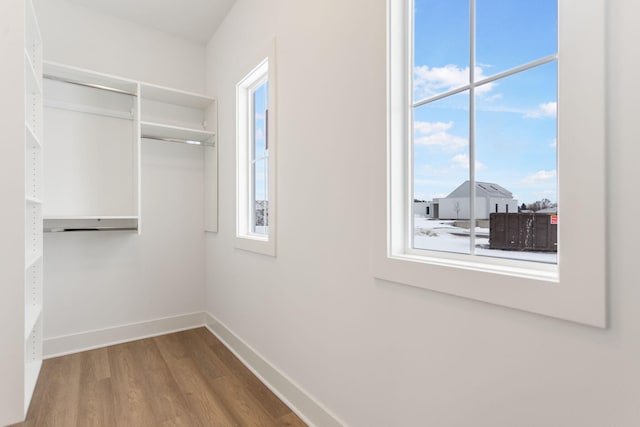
(183,379)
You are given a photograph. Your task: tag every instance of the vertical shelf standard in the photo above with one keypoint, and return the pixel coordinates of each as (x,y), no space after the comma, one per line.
(33,117)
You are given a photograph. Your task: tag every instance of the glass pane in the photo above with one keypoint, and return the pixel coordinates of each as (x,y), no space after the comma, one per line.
(260,105)
(441,46)
(440,166)
(261,196)
(516,167)
(510,33)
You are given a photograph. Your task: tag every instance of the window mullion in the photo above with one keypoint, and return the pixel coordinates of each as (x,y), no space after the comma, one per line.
(410,53)
(440,96)
(472,127)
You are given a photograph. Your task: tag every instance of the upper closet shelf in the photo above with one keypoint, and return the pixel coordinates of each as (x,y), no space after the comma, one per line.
(174,96)
(83,77)
(170,133)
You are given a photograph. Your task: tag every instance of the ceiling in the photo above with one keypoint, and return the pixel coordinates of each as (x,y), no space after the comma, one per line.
(194,20)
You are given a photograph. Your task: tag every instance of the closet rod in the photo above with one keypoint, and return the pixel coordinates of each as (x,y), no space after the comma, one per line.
(91,85)
(67,230)
(181,141)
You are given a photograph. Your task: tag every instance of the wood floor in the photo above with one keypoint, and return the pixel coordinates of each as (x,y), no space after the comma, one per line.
(183,379)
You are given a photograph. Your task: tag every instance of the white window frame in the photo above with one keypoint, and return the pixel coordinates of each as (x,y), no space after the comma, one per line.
(575,289)
(245,237)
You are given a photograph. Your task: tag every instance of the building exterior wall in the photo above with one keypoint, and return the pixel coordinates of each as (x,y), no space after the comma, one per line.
(504,206)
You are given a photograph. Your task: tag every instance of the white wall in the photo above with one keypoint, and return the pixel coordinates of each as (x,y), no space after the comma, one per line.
(78,36)
(377,353)
(419,208)
(502,206)
(104,280)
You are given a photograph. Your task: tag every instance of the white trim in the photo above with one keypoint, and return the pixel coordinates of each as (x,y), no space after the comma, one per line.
(577,291)
(98,338)
(312,412)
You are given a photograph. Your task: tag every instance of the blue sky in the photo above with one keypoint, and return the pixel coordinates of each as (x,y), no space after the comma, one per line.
(260,173)
(515,116)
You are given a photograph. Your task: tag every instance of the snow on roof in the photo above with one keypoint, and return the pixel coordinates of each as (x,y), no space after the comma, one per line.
(483,189)
(553,209)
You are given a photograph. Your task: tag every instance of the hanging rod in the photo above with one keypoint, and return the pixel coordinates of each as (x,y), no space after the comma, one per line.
(181,141)
(91,85)
(67,230)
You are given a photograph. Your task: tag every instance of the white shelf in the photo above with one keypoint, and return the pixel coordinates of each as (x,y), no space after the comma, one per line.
(83,76)
(159,130)
(31,372)
(32,140)
(32,258)
(32,314)
(32,360)
(34,200)
(82,217)
(33,81)
(56,224)
(174,96)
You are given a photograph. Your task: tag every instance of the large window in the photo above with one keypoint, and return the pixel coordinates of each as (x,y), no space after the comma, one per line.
(255,154)
(495,120)
(484,103)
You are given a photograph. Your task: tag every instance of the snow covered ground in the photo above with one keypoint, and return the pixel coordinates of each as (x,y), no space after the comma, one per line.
(441,235)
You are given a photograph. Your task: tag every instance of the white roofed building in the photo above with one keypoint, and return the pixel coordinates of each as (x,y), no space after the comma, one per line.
(489,198)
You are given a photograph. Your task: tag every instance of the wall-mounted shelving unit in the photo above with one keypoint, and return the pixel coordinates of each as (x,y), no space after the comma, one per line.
(176,116)
(93,165)
(95,123)
(33,146)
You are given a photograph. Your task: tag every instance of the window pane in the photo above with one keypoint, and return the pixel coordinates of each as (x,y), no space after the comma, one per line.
(440,165)
(261,196)
(516,165)
(510,33)
(259,111)
(441,46)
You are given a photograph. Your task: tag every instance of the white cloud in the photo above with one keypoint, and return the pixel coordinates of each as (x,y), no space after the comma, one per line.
(436,134)
(429,81)
(461,161)
(546,109)
(540,177)
(493,97)
(431,127)
(554,143)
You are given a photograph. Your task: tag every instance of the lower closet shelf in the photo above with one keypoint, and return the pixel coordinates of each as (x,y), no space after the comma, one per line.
(90,223)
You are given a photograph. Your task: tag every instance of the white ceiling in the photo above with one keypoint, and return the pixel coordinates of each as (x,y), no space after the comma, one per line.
(195,20)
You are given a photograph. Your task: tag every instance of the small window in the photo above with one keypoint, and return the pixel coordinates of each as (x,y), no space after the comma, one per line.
(255,223)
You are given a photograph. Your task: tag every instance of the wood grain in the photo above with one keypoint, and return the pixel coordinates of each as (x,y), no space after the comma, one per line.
(183,379)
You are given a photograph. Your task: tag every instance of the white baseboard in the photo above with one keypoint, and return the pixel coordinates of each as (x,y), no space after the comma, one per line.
(67,344)
(307,408)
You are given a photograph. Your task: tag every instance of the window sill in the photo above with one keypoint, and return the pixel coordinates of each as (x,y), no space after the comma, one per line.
(257,244)
(507,267)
